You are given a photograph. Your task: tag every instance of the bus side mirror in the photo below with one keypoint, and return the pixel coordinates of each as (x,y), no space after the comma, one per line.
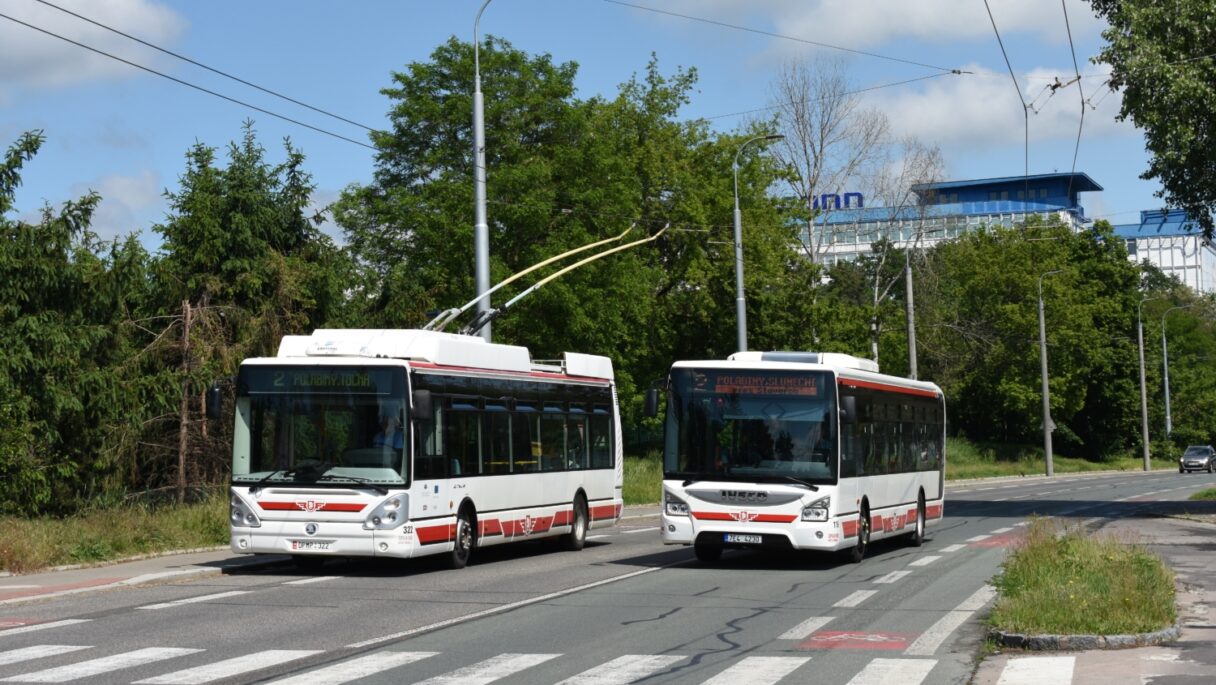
(214,401)
(423,406)
(848,409)
(652,403)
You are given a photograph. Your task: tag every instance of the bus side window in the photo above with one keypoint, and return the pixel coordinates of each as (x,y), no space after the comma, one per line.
(430,461)
(552,439)
(523,436)
(601,439)
(576,441)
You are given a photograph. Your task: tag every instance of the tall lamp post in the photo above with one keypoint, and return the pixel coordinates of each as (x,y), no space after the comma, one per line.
(1165,368)
(1143,393)
(1048,426)
(740,303)
(481,229)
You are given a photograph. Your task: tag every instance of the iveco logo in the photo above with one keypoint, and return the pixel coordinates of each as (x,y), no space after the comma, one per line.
(310,529)
(744,496)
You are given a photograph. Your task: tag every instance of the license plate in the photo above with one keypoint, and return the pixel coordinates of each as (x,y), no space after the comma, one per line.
(310,545)
(742,539)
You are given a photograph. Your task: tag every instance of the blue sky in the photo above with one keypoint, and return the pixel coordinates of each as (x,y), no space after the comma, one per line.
(124,132)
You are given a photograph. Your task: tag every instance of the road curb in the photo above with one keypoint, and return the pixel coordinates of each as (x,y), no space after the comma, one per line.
(1061,643)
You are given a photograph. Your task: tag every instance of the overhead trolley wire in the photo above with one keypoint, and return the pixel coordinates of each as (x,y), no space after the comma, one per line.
(187,83)
(204,66)
(778,35)
(1077,148)
(1025,107)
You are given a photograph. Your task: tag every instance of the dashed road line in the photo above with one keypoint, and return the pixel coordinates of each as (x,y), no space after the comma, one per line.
(855,598)
(931,639)
(925,561)
(803,630)
(194,600)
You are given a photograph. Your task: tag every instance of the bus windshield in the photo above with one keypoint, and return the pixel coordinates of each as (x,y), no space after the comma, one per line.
(751,425)
(337,425)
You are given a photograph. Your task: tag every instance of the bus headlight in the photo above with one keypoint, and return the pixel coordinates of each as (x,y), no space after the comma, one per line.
(817,510)
(674,505)
(241,514)
(387,515)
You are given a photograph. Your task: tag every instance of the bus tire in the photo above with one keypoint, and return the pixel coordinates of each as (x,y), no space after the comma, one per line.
(577,537)
(858,551)
(462,549)
(917,537)
(707,553)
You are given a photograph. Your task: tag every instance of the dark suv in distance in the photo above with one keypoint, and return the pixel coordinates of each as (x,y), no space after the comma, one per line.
(1197,458)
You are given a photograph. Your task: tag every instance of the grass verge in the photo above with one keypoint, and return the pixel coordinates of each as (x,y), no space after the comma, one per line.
(966,459)
(643,479)
(1208,495)
(1061,582)
(106,534)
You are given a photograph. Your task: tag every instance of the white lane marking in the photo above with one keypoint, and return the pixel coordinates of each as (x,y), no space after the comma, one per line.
(1000,531)
(639,530)
(106,664)
(362,667)
(758,670)
(623,669)
(18,587)
(855,598)
(306,581)
(931,639)
(230,667)
(490,670)
(803,630)
(893,577)
(192,600)
(597,537)
(902,671)
(979,538)
(1021,523)
(500,609)
(953,548)
(925,561)
(14,656)
(44,626)
(1037,670)
(1002,499)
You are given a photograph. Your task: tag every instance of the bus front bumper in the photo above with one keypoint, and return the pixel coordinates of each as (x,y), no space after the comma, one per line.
(819,536)
(330,538)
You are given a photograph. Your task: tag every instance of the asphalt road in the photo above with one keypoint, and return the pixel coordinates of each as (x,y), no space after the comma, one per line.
(625,609)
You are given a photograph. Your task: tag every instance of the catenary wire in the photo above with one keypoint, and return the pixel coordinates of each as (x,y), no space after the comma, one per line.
(777,35)
(1025,113)
(954,72)
(187,83)
(204,66)
(1071,46)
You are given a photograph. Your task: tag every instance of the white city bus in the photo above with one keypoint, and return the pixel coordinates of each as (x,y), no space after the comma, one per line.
(405,443)
(798,450)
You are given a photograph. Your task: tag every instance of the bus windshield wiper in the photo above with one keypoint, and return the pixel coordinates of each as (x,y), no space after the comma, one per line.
(798,481)
(258,485)
(355,479)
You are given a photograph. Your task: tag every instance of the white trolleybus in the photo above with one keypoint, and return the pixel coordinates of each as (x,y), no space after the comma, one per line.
(406,443)
(794,450)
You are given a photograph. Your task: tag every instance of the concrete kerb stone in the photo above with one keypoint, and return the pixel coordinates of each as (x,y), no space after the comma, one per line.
(1068,643)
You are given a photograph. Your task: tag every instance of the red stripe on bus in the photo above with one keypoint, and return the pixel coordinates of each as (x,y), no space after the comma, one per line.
(523,374)
(933,511)
(849,528)
(605,512)
(490,527)
(432,534)
(312,506)
(743,517)
(527,525)
(854,383)
(563,518)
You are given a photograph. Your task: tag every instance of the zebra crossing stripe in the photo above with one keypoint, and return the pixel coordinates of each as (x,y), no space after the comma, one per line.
(15,656)
(893,577)
(803,630)
(106,664)
(758,670)
(490,670)
(855,598)
(931,639)
(623,669)
(44,626)
(902,671)
(1038,670)
(354,669)
(953,548)
(192,600)
(230,667)
(925,561)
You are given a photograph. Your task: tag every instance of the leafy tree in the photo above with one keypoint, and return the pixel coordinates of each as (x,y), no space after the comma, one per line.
(1161,55)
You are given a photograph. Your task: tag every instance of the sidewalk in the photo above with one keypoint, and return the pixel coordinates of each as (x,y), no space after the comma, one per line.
(1189,548)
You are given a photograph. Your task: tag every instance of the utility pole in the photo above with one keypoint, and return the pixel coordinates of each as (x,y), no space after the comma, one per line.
(184,419)
(1048,425)
(481,227)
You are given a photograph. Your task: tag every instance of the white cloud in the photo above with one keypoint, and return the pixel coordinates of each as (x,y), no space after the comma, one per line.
(128,204)
(31,58)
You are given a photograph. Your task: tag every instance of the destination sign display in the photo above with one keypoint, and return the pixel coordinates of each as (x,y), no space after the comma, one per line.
(805,385)
(354,380)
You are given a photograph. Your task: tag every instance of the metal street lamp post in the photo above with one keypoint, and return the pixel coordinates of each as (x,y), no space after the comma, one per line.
(1143,392)
(1048,426)
(481,228)
(1165,369)
(740,303)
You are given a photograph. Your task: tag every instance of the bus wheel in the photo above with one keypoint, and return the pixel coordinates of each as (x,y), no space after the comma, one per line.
(577,537)
(459,556)
(858,551)
(707,553)
(917,538)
